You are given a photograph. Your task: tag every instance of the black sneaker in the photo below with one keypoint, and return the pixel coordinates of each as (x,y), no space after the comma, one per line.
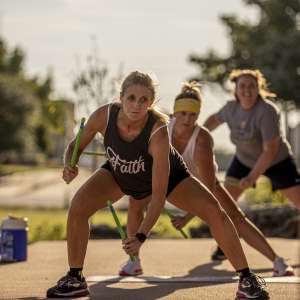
(218,255)
(252,287)
(69,286)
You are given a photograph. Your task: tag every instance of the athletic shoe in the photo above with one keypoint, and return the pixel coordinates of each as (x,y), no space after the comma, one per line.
(131,268)
(252,287)
(281,268)
(69,286)
(218,255)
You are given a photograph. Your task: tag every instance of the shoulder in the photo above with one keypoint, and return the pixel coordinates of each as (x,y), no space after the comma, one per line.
(160,128)
(267,109)
(268,105)
(229,106)
(100,112)
(99,117)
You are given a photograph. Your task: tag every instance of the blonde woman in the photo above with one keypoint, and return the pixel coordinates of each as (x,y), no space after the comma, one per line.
(141,163)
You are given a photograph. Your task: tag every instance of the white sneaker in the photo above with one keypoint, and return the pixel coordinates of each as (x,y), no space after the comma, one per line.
(131,268)
(281,268)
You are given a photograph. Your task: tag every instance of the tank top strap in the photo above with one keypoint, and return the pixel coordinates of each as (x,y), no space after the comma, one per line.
(149,125)
(192,141)
(171,127)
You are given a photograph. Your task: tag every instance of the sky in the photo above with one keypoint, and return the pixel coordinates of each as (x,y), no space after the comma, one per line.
(153,36)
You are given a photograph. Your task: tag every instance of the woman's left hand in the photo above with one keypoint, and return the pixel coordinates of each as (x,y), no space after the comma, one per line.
(131,246)
(246,182)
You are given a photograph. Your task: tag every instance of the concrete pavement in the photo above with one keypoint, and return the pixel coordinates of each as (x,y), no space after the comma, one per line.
(181,259)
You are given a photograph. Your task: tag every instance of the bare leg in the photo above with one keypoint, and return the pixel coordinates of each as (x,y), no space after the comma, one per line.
(135,214)
(92,196)
(191,196)
(246,229)
(293,194)
(233,190)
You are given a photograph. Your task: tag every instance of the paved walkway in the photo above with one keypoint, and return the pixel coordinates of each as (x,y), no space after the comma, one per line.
(43,188)
(185,261)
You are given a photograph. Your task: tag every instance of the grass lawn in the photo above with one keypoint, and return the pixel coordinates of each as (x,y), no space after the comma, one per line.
(7,169)
(50,224)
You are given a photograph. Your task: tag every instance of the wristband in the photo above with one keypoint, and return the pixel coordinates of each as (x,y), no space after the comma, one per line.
(141,237)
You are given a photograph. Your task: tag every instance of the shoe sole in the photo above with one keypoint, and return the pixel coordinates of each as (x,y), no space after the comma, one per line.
(241,295)
(79,294)
(288,273)
(138,272)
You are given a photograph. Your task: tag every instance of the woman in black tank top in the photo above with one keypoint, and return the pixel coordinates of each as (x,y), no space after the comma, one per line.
(141,163)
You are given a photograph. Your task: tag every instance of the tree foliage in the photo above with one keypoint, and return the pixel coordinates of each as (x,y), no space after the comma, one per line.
(16,104)
(28,112)
(271,45)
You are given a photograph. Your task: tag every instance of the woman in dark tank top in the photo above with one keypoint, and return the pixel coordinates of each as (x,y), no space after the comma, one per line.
(141,163)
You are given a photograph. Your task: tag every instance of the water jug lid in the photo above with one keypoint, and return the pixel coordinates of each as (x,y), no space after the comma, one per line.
(14,223)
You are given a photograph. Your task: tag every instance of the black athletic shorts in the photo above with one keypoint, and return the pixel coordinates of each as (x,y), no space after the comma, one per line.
(282,175)
(176,176)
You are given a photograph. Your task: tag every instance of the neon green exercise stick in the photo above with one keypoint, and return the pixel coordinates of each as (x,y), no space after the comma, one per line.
(119,226)
(77,143)
(181,231)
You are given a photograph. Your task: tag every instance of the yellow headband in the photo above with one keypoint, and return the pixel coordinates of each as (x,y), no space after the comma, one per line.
(187,104)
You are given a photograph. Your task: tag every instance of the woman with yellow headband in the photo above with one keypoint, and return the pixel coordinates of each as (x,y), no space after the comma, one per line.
(195,144)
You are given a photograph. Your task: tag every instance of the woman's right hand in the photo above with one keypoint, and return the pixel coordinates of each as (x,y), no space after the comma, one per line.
(179,222)
(69,173)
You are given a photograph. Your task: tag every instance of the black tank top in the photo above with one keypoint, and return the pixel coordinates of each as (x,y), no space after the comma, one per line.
(130,162)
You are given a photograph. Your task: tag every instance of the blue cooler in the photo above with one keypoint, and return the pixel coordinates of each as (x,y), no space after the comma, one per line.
(13,239)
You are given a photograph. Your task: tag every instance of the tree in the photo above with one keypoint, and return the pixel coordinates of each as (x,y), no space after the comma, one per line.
(271,45)
(16,114)
(11,62)
(29,116)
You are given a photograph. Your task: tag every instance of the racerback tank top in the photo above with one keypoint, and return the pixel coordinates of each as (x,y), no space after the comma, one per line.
(130,162)
(189,151)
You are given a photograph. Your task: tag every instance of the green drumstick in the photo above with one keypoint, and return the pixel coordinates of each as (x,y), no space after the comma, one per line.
(120,229)
(171,216)
(77,143)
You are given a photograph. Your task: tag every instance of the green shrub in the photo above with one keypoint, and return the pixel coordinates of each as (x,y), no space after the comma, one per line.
(263,193)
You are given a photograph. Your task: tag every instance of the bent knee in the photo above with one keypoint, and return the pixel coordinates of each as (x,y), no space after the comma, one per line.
(237,219)
(79,207)
(215,212)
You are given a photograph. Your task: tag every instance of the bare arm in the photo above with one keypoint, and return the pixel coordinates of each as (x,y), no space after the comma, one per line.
(96,123)
(204,160)
(212,122)
(159,149)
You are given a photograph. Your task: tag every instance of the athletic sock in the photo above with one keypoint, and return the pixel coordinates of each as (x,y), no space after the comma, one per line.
(244,273)
(76,272)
